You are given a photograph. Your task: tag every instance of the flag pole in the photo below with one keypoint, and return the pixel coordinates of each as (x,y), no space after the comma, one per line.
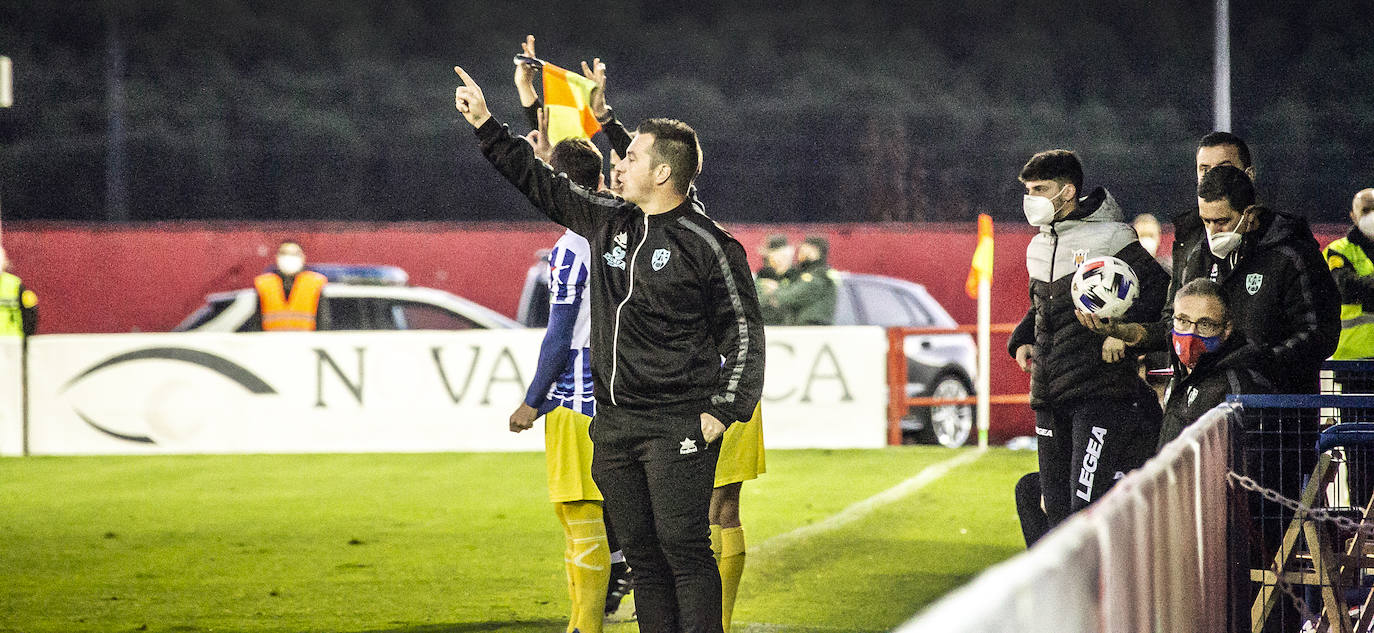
(984,358)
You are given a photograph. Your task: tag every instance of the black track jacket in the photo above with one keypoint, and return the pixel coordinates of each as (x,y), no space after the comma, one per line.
(672,295)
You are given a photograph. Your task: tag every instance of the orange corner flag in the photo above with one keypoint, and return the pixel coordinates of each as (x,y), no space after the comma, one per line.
(982,257)
(568,96)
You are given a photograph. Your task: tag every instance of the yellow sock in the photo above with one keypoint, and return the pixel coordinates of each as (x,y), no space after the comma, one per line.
(731,569)
(589,564)
(715,542)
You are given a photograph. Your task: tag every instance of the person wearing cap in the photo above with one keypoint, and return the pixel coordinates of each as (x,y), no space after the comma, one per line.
(18,305)
(810,298)
(777,272)
(289,297)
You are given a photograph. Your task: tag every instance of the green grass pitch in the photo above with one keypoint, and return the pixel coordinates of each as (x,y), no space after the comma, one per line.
(456,543)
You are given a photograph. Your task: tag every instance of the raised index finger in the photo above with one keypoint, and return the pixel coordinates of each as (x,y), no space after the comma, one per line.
(467,79)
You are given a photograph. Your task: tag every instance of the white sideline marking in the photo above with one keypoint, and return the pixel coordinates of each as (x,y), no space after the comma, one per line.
(865,507)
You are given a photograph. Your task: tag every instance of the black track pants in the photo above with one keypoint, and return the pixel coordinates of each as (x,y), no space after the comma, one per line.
(656,476)
(1085,447)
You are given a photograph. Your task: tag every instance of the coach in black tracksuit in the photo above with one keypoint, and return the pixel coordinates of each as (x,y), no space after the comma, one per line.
(677,352)
(1095,419)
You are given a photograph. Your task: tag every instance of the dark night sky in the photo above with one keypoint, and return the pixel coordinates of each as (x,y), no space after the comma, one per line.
(854,111)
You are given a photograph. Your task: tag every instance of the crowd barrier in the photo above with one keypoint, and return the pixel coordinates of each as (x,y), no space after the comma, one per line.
(1149,556)
(372,391)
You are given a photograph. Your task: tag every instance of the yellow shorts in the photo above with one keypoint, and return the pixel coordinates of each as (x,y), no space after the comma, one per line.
(741,451)
(568,455)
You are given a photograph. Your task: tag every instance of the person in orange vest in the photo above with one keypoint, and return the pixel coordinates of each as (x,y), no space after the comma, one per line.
(289,299)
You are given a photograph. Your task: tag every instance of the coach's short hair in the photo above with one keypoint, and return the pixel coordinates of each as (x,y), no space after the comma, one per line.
(675,143)
(1229,183)
(579,159)
(1056,164)
(1204,287)
(1217,139)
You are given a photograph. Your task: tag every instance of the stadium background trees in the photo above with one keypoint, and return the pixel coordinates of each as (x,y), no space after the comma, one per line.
(214,109)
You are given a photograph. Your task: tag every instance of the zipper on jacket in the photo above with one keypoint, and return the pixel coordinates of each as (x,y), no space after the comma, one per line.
(615,336)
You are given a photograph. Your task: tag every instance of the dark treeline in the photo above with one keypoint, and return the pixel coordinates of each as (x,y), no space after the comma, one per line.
(853,111)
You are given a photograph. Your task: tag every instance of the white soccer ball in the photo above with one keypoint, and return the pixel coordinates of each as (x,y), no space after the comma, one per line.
(1104,286)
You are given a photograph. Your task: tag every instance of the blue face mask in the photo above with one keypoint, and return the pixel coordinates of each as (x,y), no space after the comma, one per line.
(1190,346)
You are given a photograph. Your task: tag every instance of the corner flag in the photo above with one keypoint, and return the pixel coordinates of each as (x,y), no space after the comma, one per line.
(982,257)
(568,98)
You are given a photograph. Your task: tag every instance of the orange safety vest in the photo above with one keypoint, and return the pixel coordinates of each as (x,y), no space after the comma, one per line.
(289,314)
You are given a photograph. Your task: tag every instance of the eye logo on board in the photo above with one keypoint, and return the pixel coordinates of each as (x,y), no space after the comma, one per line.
(236,373)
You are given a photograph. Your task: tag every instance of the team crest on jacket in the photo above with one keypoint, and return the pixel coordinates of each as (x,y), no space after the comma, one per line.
(660,258)
(1252,282)
(1080,255)
(1192,395)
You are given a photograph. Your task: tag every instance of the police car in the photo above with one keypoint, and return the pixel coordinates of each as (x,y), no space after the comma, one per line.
(938,365)
(358,298)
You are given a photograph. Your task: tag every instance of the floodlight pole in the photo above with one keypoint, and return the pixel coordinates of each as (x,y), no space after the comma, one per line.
(1221,69)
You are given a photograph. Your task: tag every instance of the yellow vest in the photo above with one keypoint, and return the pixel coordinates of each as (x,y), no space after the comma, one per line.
(11,307)
(1357,328)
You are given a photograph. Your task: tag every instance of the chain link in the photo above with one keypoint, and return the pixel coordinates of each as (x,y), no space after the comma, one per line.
(1321,515)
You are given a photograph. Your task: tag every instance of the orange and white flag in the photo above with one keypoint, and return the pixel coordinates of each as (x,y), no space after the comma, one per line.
(982,257)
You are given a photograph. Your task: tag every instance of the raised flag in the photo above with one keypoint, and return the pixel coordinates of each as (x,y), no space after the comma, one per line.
(982,257)
(568,100)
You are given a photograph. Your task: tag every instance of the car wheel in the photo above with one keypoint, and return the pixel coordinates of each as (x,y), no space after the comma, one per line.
(949,425)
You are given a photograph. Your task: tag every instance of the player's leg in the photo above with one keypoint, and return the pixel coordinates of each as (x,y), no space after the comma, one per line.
(589,565)
(727,541)
(1054,452)
(619,584)
(741,459)
(1034,523)
(587,553)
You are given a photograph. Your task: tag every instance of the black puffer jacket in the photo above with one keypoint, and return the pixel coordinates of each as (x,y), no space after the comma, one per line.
(1068,357)
(1281,295)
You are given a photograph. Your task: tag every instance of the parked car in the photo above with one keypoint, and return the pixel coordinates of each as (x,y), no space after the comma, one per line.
(938,365)
(358,298)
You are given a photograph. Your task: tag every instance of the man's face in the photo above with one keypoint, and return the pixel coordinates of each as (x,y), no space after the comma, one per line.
(633,177)
(1203,311)
(1218,215)
(780,258)
(1218,155)
(1059,194)
(808,252)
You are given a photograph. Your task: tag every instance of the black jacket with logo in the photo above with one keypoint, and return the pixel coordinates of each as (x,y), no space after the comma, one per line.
(1068,365)
(1218,374)
(672,295)
(1281,295)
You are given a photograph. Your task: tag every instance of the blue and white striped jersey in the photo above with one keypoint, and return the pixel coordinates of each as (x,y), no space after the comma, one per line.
(569,274)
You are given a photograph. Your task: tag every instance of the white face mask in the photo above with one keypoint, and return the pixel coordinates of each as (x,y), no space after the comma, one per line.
(1223,243)
(1366,225)
(1151,245)
(290,264)
(1041,211)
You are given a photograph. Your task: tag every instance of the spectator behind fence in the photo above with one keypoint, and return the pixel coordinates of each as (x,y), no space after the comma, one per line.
(777,271)
(1353,271)
(810,298)
(1207,359)
(18,304)
(289,297)
(1094,416)
(1270,267)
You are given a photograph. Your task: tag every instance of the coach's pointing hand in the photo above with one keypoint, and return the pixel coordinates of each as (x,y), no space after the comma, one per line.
(711,428)
(469,100)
